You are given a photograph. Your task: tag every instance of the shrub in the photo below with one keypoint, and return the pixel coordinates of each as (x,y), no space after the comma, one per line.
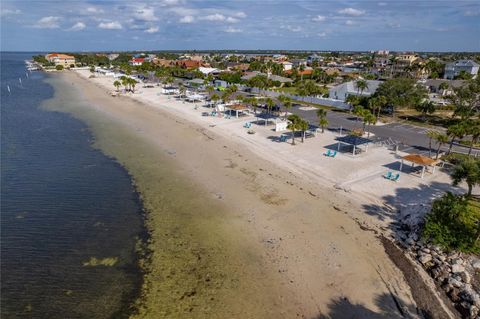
(59,67)
(453,223)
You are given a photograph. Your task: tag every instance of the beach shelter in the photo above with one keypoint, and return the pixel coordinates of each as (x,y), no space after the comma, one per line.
(354,141)
(418,159)
(236,108)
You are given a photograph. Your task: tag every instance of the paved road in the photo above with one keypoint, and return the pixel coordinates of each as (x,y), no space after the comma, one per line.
(410,138)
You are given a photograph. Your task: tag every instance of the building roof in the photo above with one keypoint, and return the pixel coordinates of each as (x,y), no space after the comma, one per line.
(59,56)
(437,82)
(138,60)
(236,107)
(464,63)
(351,87)
(353,140)
(419,159)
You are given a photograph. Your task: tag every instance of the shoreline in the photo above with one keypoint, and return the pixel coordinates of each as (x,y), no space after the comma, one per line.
(314,306)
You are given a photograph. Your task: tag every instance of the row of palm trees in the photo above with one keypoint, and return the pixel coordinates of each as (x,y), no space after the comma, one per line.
(127,82)
(454,132)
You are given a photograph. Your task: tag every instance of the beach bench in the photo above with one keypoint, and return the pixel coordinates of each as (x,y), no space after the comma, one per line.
(247,125)
(395,178)
(283,138)
(388,175)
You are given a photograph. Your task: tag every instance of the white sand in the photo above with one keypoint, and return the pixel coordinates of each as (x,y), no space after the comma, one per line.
(319,252)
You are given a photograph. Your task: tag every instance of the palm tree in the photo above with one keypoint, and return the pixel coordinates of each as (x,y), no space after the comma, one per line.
(132,83)
(474,131)
(254,103)
(270,104)
(454,131)
(361,85)
(322,118)
(441,139)
(431,135)
(303,126)
(294,125)
(368,119)
(117,84)
(353,100)
(210,89)
(125,82)
(468,170)
(215,98)
(287,103)
(358,111)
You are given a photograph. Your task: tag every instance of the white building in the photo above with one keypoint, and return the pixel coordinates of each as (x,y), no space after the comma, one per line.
(342,91)
(453,69)
(287,65)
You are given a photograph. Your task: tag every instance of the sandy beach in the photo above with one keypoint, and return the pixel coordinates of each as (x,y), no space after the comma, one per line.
(240,229)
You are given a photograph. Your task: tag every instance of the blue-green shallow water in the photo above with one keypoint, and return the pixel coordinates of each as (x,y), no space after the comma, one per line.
(62,202)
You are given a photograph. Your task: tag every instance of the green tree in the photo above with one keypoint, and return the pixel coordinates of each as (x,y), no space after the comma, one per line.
(467,170)
(287,103)
(368,119)
(117,84)
(270,104)
(322,119)
(466,100)
(132,83)
(441,139)
(361,85)
(401,93)
(473,130)
(59,67)
(303,127)
(425,107)
(294,125)
(455,131)
(453,224)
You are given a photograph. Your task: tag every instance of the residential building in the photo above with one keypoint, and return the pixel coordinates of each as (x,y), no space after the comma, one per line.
(136,61)
(207,71)
(286,65)
(342,91)
(453,69)
(112,56)
(64,60)
(188,64)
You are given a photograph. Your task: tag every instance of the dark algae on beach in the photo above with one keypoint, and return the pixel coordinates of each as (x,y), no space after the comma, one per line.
(70,217)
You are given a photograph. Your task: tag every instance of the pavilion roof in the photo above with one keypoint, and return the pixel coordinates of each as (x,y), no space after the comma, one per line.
(419,159)
(353,140)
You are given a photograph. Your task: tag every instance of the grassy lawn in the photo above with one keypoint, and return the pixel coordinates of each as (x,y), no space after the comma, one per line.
(290,90)
(440,118)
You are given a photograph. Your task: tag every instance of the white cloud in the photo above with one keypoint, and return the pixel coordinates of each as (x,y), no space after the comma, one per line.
(9,12)
(322,34)
(145,14)
(94,10)
(349,22)
(319,18)
(231,20)
(113,25)
(50,22)
(292,28)
(232,30)
(352,12)
(77,27)
(187,19)
(152,29)
(382,4)
(214,17)
(240,14)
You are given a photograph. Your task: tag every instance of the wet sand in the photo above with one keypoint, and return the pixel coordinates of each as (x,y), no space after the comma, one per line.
(233,235)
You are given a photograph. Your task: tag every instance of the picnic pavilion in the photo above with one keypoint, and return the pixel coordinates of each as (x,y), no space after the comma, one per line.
(236,108)
(357,143)
(417,159)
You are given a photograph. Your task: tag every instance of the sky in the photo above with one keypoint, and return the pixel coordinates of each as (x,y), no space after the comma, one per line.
(396,25)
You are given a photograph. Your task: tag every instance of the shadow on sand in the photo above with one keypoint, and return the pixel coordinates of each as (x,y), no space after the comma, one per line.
(388,308)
